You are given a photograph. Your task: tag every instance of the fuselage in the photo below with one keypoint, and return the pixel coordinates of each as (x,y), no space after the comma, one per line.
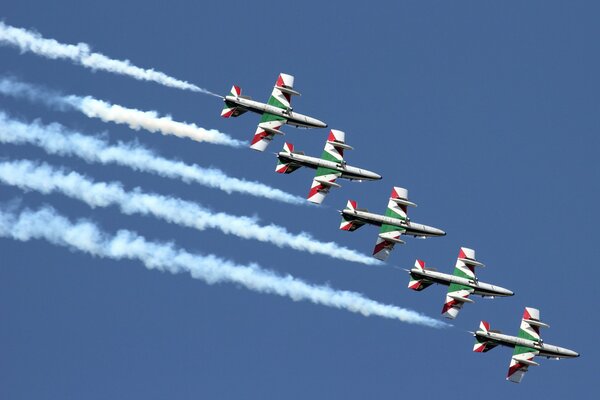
(347,171)
(292,118)
(480,288)
(412,228)
(545,350)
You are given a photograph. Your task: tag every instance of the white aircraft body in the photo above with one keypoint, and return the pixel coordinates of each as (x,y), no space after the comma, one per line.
(461,283)
(393,224)
(330,166)
(277,112)
(526,346)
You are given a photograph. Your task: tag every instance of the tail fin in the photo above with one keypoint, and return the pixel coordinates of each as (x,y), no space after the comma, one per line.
(481,345)
(416,282)
(230,109)
(351,205)
(284,165)
(348,222)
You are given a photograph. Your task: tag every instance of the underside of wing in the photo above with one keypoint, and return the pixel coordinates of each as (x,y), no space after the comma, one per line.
(520,362)
(322,183)
(456,297)
(388,237)
(267,128)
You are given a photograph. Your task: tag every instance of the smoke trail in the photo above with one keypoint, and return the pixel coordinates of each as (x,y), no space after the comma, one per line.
(57,139)
(135,119)
(28,41)
(45,179)
(87,237)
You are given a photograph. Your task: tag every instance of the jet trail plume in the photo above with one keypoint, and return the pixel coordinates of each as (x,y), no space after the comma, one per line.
(135,119)
(43,178)
(57,139)
(30,41)
(87,237)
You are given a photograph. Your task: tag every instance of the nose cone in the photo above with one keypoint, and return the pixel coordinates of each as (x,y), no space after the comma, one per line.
(571,353)
(316,123)
(372,176)
(438,232)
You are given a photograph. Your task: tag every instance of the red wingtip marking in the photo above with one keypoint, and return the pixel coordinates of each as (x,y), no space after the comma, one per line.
(448,306)
(280,81)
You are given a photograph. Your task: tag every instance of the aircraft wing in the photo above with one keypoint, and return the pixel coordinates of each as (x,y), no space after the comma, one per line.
(522,357)
(455,298)
(348,222)
(325,177)
(459,294)
(267,128)
(323,181)
(389,235)
(269,124)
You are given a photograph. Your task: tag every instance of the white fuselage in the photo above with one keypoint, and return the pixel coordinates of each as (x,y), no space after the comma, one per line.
(412,228)
(347,171)
(546,350)
(480,288)
(292,118)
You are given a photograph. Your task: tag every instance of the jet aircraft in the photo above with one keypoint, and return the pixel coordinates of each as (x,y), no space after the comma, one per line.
(393,224)
(329,167)
(526,346)
(275,113)
(461,284)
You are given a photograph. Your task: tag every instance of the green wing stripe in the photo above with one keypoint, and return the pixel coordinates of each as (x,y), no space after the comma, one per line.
(455,287)
(385,228)
(266,117)
(326,171)
(276,103)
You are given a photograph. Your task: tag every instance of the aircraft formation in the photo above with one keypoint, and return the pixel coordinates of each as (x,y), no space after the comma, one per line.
(331,166)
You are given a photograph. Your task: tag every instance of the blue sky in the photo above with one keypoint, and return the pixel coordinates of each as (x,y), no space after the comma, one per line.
(487,113)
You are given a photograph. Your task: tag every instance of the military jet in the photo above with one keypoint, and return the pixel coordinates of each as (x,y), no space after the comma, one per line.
(461,284)
(275,113)
(393,224)
(526,346)
(329,167)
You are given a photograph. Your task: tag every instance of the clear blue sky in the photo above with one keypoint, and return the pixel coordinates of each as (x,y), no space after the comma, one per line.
(488,113)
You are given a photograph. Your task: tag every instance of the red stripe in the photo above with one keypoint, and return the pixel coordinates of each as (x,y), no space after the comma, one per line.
(514,368)
(448,306)
(314,190)
(259,136)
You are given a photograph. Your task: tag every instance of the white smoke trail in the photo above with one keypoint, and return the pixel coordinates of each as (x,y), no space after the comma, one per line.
(45,179)
(135,119)
(57,139)
(30,41)
(87,237)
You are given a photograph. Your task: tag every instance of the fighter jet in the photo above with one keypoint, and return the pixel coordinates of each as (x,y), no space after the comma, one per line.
(393,224)
(275,113)
(460,285)
(526,346)
(329,167)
